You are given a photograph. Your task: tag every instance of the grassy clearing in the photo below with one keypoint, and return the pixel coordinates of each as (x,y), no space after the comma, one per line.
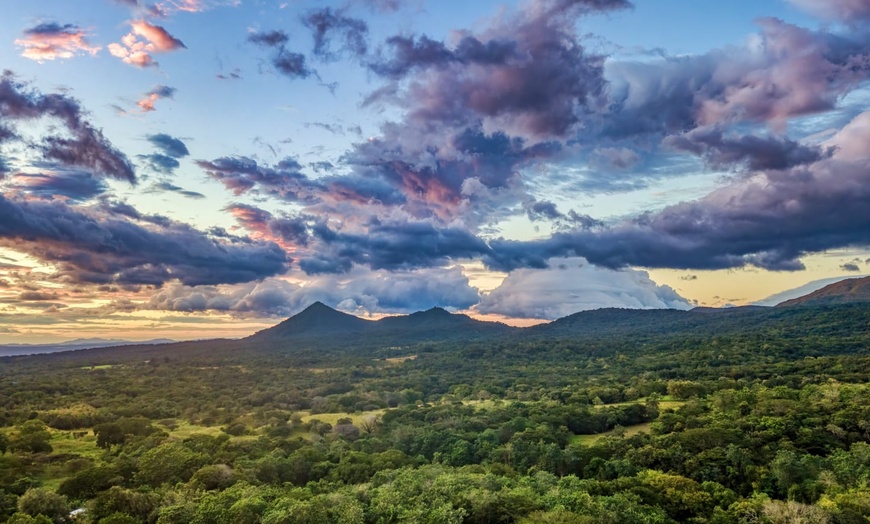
(100,366)
(333,418)
(182,430)
(628,431)
(80,442)
(399,360)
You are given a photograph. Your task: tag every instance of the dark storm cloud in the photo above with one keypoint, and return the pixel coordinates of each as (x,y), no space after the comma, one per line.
(92,247)
(87,148)
(326,25)
(754,152)
(391,246)
(75,185)
(850,266)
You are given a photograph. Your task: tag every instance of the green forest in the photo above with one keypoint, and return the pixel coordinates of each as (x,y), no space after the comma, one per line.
(730,421)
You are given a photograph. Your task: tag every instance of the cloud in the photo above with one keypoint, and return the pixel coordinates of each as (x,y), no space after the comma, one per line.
(51,41)
(364,292)
(849,11)
(96,245)
(326,24)
(754,152)
(289,232)
(618,158)
(850,266)
(172,188)
(571,285)
(434,179)
(160,163)
(384,6)
(269,38)
(768,220)
(37,296)
(171,149)
(144,39)
(169,145)
(146,103)
(241,175)
(72,184)
(84,147)
(288,63)
(783,72)
(527,74)
(392,246)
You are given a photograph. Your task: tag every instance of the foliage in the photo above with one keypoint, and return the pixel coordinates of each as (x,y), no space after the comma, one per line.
(740,419)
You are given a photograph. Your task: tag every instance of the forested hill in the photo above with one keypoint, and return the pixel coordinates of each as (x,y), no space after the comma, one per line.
(320,331)
(851,290)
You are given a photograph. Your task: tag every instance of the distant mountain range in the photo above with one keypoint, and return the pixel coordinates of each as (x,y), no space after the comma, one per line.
(320,328)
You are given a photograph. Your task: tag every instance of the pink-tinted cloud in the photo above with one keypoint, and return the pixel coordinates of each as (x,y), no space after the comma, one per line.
(793,72)
(844,10)
(146,103)
(51,41)
(137,46)
(288,232)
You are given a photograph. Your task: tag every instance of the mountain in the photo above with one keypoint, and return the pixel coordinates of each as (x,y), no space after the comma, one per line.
(323,326)
(851,290)
(648,322)
(316,320)
(440,324)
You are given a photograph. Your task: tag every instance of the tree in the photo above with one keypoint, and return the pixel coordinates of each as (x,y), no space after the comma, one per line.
(32,437)
(38,501)
(792,512)
(170,462)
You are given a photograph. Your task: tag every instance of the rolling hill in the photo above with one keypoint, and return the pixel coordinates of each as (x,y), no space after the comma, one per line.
(847,291)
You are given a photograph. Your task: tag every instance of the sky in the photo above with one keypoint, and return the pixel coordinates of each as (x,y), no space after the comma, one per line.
(205,168)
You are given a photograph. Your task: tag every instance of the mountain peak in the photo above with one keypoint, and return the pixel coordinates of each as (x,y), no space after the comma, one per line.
(318,307)
(315,320)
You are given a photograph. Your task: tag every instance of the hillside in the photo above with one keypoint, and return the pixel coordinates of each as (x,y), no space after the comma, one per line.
(846,291)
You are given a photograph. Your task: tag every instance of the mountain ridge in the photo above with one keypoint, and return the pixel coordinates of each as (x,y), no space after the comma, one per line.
(845,291)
